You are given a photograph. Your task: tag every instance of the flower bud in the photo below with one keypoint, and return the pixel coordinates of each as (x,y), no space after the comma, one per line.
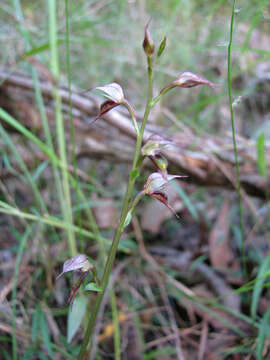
(148,44)
(187,80)
(162,47)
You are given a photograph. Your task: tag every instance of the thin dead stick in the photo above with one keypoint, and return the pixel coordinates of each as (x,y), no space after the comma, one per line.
(149,258)
(145,254)
(174,326)
(203,341)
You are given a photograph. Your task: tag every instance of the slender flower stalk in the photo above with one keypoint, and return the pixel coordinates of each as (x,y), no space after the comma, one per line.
(156,182)
(125,209)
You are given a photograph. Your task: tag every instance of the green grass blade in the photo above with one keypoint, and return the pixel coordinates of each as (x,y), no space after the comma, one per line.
(229,84)
(37,50)
(36,323)
(71,121)
(261,160)
(60,130)
(45,334)
(22,247)
(264,331)
(48,220)
(255,19)
(258,286)
(186,200)
(8,141)
(54,159)
(116,326)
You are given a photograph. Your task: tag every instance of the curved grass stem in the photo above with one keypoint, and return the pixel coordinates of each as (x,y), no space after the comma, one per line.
(234,141)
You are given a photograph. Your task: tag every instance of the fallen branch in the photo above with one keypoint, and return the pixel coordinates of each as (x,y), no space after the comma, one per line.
(209,162)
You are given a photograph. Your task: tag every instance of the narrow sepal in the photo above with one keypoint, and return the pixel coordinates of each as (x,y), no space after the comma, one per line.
(163,198)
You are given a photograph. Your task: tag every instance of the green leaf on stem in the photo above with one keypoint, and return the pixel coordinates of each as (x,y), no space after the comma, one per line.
(162,47)
(75,316)
(92,287)
(128,219)
(134,174)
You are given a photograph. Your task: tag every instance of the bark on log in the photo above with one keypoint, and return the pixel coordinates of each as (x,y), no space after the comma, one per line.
(207,160)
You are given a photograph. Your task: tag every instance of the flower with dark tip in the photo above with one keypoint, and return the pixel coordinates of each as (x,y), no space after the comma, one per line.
(115,97)
(155,187)
(148,44)
(187,80)
(80,264)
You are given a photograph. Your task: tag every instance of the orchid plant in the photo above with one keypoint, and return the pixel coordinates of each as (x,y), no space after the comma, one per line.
(155,185)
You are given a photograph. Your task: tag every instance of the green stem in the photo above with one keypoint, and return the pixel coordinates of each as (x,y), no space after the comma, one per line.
(234,142)
(120,227)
